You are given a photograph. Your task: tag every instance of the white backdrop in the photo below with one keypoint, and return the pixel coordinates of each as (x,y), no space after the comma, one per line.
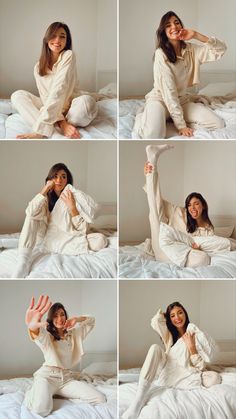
(22,27)
(139,21)
(207,167)
(18,354)
(211,305)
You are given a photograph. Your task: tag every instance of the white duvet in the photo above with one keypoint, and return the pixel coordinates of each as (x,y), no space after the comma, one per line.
(128,109)
(216,402)
(102,264)
(104,126)
(134,262)
(12,395)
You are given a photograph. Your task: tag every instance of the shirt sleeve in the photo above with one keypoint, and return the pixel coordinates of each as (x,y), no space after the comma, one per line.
(210,51)
(206,347)
(197,362)
(158,323)
(85,327)
(37,208)
(165,80)
(51,111)
(42,339)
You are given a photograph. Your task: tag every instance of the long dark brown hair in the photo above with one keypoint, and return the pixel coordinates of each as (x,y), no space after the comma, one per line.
(52,196)
(51,328)
(191,223)
(173,330)
(162,40)
(45,57)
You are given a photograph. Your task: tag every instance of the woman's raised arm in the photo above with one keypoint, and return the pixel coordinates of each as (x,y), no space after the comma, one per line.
(35,313)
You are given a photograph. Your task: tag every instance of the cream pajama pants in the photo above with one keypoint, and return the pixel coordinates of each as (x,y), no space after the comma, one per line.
(50,381)
(165,212)
(151,123)
(82,111)
(156,367)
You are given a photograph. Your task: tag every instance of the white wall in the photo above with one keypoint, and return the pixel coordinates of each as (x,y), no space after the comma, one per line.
(205,167)
(23,24)
(25,165)
(138,24)
(210,305)
(19,355)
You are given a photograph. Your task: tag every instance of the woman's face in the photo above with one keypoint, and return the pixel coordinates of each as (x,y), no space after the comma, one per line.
(58,41)
(59,319)
(195,208)
(178,317)
(172,28)
(60,180)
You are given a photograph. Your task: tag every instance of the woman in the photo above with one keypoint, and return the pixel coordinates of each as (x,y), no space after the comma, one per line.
(182,364)
(61,341)
(169,222)
(177,67)
(57,219)
(60,104)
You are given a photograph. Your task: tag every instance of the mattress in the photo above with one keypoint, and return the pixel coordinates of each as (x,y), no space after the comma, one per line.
(216,402)
(102,264)
(135,263)
(12,395)
(128,109)
(104,126)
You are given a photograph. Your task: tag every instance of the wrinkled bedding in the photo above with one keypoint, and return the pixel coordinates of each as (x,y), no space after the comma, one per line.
(128,109)
(12,395)
(134,262)
(216,402)
(104,125)
(102,264)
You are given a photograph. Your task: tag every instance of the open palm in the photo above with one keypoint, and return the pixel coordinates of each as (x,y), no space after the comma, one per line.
(35,313)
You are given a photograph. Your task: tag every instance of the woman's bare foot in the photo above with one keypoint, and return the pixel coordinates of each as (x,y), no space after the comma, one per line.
(68,129)
(31,136)
(154,151)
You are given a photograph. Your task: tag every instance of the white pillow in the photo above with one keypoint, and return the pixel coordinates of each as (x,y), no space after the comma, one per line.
(101,368)
(106,221)
(224,231)
(218,89)
(109,90)
(6,106)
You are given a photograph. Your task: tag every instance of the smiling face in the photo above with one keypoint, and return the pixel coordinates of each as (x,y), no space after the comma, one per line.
(58,41)
(195,208)
(172,28)
(178,317)
(59,319)
(60,180)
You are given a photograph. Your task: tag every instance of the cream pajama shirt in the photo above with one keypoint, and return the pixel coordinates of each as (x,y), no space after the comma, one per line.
(55,376)
(59,98)
(169,97)
(175,367)
(161,211)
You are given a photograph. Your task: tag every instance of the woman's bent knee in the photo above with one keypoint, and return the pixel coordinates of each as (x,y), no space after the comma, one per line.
(16,96)
(197,258)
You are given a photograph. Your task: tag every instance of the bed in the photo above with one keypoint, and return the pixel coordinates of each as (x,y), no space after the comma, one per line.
(12,393)
(104,125)
(129,107)
(102,264)
(216,402)
(137,261)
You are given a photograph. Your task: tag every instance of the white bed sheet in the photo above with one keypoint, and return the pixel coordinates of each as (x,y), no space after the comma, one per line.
(102,264)
(128,109)
(135,263)
(104,125)
(216,402)
(12,395)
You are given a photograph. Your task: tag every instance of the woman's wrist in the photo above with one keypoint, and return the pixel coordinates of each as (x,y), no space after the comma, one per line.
(193,350)
(199,37)
(74,212)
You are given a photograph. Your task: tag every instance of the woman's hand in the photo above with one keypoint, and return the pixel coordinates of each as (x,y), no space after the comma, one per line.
(196,246)
(186,34)
(148,168)
(70,323)
(49,186)
(34,314)
(189,340)
(68,129)
(186,132)
(68,198)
